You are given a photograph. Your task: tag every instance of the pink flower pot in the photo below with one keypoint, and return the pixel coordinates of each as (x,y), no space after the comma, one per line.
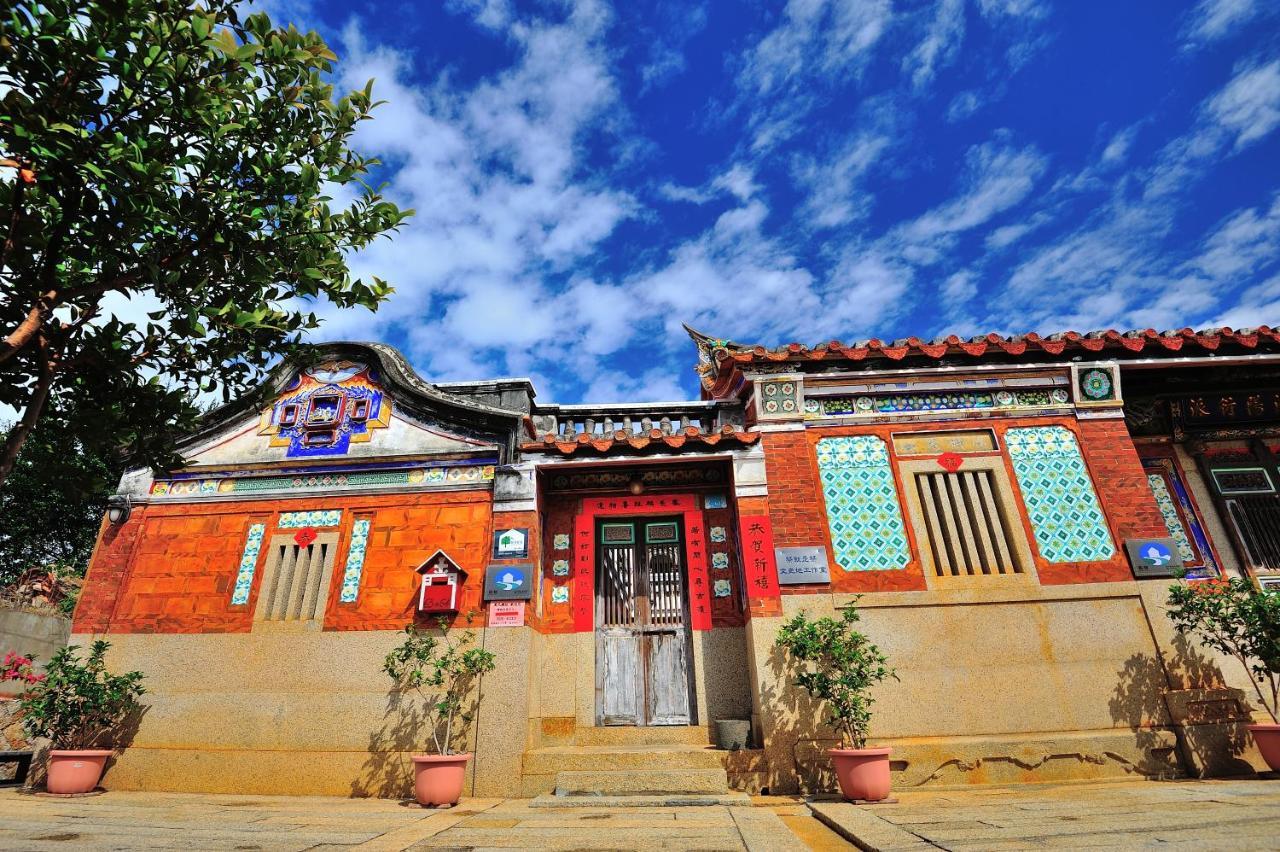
(863,772)
(438,779)
(76,770)
(1267,738)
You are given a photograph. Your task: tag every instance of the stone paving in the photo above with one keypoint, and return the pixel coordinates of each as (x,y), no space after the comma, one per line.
(1235,815)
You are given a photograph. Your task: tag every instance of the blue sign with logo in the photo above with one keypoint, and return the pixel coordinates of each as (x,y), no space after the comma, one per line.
(508,583)
(1153,557)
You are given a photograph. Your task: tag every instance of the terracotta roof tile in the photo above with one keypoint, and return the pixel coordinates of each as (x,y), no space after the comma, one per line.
(718,354)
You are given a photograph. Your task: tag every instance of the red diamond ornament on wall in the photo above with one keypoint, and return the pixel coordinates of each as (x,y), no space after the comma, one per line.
(305,536)
(950,462)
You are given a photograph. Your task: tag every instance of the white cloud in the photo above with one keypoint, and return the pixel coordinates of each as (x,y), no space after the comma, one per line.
(835,192)
(1249,106)
(940,44)
(996,178)
(506,201)
(1212,20)
(816,43)
(1247,240)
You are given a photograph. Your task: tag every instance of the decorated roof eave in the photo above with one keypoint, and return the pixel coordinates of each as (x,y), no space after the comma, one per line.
(721,361)
(624,443)
(413,395)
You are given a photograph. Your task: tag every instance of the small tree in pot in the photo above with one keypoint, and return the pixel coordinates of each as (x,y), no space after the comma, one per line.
(1235,618)
(441,667)
(74,705)
(838,666)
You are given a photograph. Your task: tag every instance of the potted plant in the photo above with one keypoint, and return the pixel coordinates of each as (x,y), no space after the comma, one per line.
(839,667)
(440,666)
(1235,618)
(74,704)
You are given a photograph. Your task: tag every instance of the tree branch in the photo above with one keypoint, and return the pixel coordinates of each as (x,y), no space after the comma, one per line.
(35,405)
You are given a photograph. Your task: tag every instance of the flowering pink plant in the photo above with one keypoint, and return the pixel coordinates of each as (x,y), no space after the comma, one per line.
(18,667)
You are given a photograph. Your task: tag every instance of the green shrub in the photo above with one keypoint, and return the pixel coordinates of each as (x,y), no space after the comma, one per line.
(838,666)
(441,670)
(1236,619)
(78,701)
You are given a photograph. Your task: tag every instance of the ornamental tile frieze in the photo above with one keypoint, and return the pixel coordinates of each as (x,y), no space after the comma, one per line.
(927,402)
(454,476)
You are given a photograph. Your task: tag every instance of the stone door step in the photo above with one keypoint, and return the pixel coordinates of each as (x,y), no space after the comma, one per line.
(632,782)
(669,800)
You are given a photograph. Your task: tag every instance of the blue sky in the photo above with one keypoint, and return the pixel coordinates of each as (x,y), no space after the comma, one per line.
(588,176)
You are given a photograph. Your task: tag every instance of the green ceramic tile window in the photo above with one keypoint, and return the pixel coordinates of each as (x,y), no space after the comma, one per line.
(1065,514)
(863,512)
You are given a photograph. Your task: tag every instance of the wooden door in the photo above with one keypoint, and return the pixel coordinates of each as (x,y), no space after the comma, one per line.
(642,625)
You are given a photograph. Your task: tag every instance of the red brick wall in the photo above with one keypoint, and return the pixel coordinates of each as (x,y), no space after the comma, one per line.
(178,575)
(798,510)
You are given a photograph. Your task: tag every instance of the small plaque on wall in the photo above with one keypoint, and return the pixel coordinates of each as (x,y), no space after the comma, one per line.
(1153,557)
(511,544)
(506,614)
(508,583)
(801,565)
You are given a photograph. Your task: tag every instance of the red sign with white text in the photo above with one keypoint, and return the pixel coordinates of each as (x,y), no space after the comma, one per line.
(758,566)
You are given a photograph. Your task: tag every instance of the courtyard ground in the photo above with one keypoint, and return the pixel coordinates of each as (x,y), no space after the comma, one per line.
(1236,815)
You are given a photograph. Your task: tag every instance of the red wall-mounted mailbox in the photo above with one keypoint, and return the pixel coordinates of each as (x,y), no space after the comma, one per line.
(442,581)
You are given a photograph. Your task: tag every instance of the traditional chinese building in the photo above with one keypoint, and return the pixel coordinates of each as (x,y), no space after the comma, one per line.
(1009,510)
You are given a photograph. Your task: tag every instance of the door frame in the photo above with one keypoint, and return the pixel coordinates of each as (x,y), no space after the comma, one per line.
(639,544)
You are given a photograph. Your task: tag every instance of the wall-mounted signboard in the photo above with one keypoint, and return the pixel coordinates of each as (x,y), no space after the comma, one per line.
(800,565)
(1153,557)
(508,583)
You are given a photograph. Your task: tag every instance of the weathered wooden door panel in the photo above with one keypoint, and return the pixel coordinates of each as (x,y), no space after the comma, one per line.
(618,653)
(642,633)
(668,685)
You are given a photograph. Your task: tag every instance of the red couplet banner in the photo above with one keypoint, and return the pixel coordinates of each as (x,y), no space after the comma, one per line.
(759,567)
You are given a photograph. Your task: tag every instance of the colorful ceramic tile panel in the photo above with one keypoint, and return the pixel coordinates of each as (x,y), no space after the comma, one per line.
(248,562)
(355,561)
(863,513)
(560,595)
(1171,520)
(560,568)
(1065,514)
(716,501)
(313,518)
(717,535)
(417,477)
(719,560)
(561,541)
(957,401)
(721,588)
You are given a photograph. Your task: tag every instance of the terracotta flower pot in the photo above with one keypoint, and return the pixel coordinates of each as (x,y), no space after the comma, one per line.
(438,778)
(863,772)
(1267,738)
(76,770)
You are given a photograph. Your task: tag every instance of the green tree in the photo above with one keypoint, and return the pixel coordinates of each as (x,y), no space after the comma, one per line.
(186,158)
(54,500)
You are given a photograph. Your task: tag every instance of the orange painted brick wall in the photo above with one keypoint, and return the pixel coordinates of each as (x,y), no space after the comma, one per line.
(172,567)
(798,509)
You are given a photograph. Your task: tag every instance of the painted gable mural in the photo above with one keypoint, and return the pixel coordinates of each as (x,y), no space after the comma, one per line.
(328,408)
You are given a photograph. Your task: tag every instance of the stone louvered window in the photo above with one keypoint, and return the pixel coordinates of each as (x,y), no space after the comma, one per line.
(295,580)
(863,512)
(1066,517)
(969,533)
